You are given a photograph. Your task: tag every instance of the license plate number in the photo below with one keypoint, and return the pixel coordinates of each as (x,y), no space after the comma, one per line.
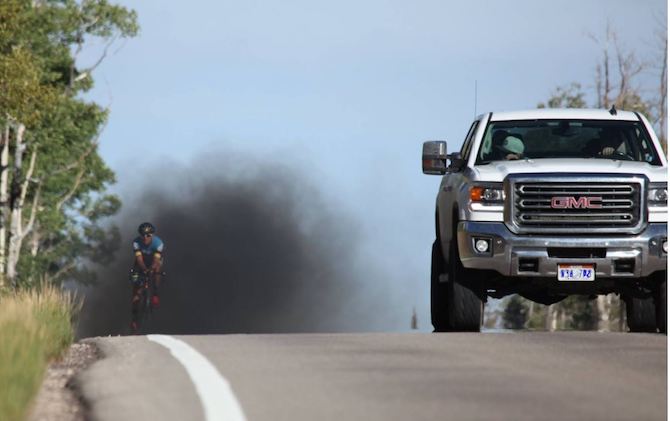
(576,273)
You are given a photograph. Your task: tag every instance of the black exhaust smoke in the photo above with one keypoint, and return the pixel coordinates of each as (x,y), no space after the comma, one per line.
(246,251)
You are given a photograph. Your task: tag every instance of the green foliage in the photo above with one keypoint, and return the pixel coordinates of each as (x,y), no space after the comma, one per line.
(40,87)
(55,209)
(53,29)
(537,316)
(575,312)
(582,311)
(22,366)
(515,313)
(35,327)
(632,101)
(570,96)
(23,95)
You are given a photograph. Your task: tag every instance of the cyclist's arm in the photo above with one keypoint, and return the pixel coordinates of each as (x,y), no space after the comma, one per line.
(139,261)
(156,264)
(158,253)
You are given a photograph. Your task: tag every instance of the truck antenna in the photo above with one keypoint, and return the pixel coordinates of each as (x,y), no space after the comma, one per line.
(475,98)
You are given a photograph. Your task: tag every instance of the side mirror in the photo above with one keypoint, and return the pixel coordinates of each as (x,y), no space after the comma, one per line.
(456,162)
(434,157)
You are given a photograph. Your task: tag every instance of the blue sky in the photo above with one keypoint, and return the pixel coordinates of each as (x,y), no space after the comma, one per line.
(347,91)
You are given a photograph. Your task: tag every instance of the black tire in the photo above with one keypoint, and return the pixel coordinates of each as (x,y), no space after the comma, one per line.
(662,304)
(640,314)
(438,291)
(454,307)
(464,306)
(144,310)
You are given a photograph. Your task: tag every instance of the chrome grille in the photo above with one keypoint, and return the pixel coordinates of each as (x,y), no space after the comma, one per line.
(576,206)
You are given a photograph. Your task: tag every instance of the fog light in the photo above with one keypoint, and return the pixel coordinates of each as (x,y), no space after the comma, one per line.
(482,246)
(665,246)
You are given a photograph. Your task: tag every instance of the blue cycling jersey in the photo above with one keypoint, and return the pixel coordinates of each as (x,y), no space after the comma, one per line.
(155,247)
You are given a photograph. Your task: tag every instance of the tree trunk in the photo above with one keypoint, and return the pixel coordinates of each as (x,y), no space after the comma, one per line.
(531,312)
(562,317)
(552,317)
(599,86)
(603,313)
(16,224)
(4,161)
(35,240)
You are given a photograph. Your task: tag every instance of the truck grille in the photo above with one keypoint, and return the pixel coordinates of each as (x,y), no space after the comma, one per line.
(576,206)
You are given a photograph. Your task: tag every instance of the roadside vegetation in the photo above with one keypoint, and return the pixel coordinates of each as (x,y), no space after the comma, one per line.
(35,327)
(53,182)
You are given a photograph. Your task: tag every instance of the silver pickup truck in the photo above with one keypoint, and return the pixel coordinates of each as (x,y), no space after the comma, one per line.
(547,203)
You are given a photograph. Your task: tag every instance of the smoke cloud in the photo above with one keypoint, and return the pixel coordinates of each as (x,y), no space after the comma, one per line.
(250,247)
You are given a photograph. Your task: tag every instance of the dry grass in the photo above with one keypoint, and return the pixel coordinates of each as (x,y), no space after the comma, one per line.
(35,327)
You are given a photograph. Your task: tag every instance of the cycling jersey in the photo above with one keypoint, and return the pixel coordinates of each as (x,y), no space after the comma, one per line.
(155,248)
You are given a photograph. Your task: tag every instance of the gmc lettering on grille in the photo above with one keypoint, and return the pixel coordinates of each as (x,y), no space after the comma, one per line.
(570,202)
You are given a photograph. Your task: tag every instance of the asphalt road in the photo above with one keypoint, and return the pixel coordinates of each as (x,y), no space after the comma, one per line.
(450,376)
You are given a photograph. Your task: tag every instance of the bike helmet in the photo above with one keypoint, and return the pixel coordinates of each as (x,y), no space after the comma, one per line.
(146,228)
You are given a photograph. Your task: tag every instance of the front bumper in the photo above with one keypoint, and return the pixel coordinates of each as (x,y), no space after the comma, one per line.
(513,255)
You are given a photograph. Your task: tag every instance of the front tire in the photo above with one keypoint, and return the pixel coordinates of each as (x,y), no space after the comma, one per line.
(640,314)
(438,290)
(465,307)
(662,304)
(454,307)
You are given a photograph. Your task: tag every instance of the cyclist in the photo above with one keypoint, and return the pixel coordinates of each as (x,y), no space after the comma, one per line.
(148,249)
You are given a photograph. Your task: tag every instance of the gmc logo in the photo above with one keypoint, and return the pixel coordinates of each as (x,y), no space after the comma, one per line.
(570,202)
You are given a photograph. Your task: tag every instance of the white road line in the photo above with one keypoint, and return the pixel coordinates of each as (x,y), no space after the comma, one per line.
(216,395)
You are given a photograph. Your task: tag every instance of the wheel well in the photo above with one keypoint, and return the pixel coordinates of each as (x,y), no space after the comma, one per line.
(454,222)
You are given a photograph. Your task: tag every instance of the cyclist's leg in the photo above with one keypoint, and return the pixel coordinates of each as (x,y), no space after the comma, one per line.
(156,278)
(154,282)
(135,303)
(157,275)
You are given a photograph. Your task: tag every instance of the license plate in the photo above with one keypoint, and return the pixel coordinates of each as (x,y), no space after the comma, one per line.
(576,272)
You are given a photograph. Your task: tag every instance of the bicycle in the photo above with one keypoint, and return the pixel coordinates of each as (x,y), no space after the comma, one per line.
(144,282)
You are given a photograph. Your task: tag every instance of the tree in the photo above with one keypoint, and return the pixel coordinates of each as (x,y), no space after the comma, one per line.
(570,96)
(659,108)
(52,180)
(516,313)
(616,75)
(617,81)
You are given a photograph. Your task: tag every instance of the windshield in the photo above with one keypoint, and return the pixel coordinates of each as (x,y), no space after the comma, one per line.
(536,139)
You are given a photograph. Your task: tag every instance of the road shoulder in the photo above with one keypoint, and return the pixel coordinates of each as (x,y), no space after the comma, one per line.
(137,379)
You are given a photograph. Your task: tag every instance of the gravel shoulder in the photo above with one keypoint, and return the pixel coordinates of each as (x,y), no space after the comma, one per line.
(57,399)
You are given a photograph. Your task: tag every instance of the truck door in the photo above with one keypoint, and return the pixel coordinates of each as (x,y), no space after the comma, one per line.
(448,194)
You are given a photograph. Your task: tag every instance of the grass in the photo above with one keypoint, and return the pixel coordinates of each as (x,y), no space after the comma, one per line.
(35,327)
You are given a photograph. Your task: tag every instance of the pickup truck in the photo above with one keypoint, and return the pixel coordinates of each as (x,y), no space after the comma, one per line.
(547,203)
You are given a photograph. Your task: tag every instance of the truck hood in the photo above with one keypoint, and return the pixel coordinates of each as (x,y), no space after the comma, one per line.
(498,170)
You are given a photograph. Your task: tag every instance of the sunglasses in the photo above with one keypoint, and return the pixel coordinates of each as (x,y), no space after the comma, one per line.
(147,235)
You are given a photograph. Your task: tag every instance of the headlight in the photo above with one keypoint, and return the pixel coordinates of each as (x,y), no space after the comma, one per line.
(658,194)
(487,195)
